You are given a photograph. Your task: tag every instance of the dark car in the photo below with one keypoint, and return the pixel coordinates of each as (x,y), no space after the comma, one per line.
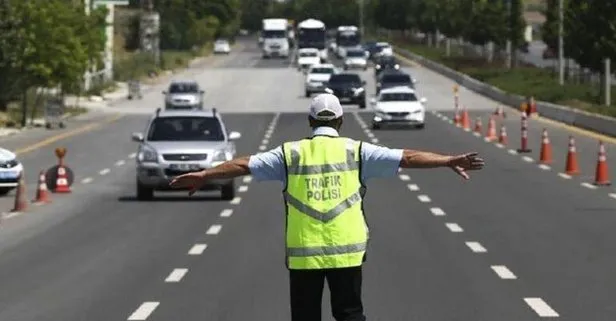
(383,63)
(371,47)
(388,79)
(349,88)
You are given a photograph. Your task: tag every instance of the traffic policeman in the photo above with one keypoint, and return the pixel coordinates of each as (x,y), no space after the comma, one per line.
(324,179)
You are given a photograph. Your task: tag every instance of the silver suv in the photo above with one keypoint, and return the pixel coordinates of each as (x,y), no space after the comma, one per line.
(183,95)
(182,141)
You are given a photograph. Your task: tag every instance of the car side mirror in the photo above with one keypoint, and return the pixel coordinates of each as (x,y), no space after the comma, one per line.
(234,135)
(367,53)
(372,101)
(164,92)
(137,137)
(363,82)
(423,100)
(329,91)
(414,81)
(202,92)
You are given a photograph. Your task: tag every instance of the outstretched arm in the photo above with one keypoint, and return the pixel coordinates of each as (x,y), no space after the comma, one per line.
(229,169)
(459,163)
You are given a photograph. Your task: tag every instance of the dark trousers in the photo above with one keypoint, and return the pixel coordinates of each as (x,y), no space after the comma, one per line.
(345,293)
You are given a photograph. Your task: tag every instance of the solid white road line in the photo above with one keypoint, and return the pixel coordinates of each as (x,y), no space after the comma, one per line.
(105,171)
(423,198)
(242,188)
(236,200)
(512,151)
(86,180)
(247,179)
(143,311)
(262,147)
(404,177)
(503,272)
(214,229)
(226,212)
(476,247)
(133,155)
(375,140)
(370,134)
(120,163)
(176,275)
(265,142)
(454,227)
(197,249)
(588,185)
(528,159)
(540,307)
(544,167)
(436,211)
(413,187)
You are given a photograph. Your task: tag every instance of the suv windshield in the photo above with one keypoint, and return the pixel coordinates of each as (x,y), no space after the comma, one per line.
(355,53)
(397,78)
(183,88)
(322,71)
(348,78)
(308,54)
(398,97)
(183,129)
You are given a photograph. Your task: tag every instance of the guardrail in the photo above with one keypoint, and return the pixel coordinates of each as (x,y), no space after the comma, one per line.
(571,116)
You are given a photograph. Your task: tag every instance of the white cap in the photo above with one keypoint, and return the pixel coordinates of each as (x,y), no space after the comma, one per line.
(328,103)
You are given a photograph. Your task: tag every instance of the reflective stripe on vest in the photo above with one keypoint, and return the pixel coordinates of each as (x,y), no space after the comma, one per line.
(327,231)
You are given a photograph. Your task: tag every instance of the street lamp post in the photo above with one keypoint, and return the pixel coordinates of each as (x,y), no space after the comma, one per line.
(561,44)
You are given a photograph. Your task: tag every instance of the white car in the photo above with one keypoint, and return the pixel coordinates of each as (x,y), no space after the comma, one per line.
(385,49)
(316,77)
(307,57)
(355,58)
(222,46)
(10,171)
(398,105)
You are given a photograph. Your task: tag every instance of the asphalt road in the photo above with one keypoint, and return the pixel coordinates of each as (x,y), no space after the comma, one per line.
(516,242)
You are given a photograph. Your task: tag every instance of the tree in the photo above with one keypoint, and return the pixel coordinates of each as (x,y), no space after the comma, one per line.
(549,30)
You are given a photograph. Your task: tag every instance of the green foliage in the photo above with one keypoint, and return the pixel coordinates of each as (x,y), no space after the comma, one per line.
(549,30)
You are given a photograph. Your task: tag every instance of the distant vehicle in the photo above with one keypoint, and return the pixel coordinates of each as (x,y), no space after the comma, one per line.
(222,46)
(183,95)
(178,142)
(355,58)
(243,32)
(398,105)
(391,78)
(347,37)
(316,78)
(371,48)
(10,171)
(311,33)
(274,34)
(348,87)
(383,49)
(384,63)
(307,57)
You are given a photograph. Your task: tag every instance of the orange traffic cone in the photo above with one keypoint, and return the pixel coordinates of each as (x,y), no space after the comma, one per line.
(466,122)
(546,149)
(602,173)
(499,112)
(42,194)
(62,181)
(20,199)
(572,163)
(491,134)
(478,125)
(503,135)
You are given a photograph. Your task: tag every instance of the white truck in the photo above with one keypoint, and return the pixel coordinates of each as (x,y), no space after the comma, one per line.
(347,37)
(311,33)
(274,37)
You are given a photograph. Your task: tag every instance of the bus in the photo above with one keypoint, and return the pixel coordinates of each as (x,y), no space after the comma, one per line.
(311,33)
(347,37)
(274,38)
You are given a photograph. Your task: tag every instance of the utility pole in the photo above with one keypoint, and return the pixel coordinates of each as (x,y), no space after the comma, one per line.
(509,34)
(561,44)
(361,18)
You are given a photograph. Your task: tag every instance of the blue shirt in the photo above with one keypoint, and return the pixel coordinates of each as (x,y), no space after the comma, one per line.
(377,161)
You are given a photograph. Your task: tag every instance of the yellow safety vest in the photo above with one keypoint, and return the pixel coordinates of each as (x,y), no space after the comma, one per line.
(325,226)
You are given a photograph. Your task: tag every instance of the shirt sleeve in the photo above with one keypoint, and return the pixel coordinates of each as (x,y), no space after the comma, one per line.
(268,166)
(379,161)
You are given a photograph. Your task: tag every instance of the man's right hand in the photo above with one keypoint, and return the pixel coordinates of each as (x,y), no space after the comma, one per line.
(466,162)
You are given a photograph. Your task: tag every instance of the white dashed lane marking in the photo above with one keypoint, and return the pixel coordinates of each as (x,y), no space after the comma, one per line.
(247,179)
(540,307)
(143,311)
(423,198)
(499,145)
(544,167)
(588,185)
(242,188)
(197,249)
(176,275)
(413,187)
(565,176)
(86,180)
(375,140)
(133,155)
(265,142)
(226,212)
(476,247)
(436,211)
(235,200)
(512,152)
(528,159)
(105,171)
(405,177)
(120,163)
(262,147)
(214,229)
(503,272)
(454,227)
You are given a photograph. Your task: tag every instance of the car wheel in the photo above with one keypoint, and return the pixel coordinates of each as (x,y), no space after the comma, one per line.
(228,191)
(307,94)
(144,193)
(362,104)
(5,190)
(421,126)
(376,126)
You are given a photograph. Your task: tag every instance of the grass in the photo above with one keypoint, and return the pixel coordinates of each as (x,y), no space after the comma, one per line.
(524,80)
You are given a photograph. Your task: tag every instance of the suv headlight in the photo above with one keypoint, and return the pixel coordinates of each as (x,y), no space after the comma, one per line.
(147,154)
(221,156)
(378,66)
(397,66)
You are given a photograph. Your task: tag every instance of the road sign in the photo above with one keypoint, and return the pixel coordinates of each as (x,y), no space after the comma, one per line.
(113,2)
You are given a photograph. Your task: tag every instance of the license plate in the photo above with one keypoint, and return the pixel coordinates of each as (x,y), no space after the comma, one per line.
(185,167)
(8,175)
